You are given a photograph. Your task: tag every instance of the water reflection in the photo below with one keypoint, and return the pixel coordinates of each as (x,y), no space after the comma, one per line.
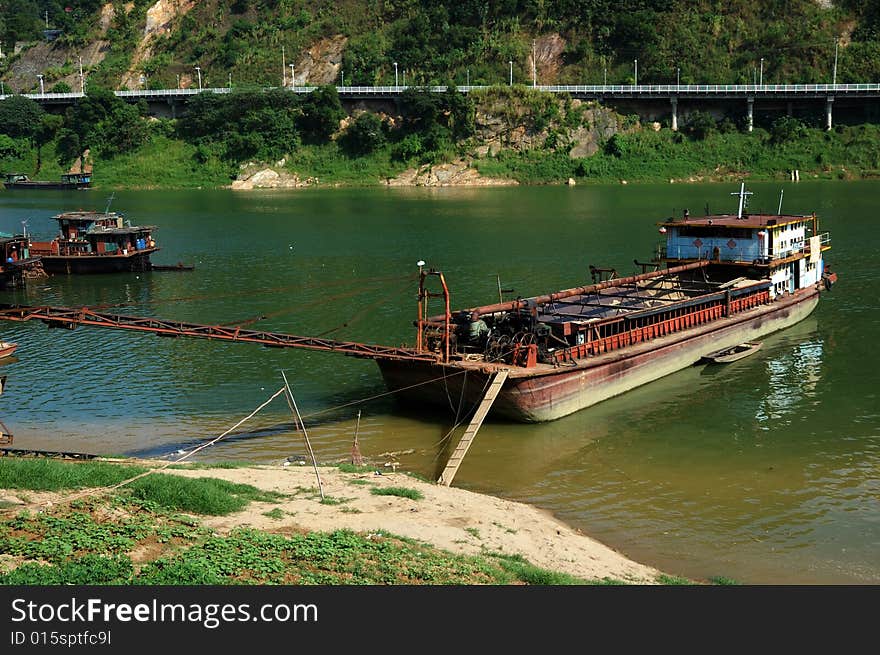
(793,376)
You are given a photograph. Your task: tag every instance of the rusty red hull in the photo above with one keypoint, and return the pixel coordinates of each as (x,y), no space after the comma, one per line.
(545,393)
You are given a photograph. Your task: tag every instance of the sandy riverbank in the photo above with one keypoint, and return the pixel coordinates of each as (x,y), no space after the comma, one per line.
(453,519)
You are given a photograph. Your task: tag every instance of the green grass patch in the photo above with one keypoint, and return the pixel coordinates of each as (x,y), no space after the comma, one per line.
(403,492)
(161,163)
(329,165)
(473,532)
(361,482)
(721,580)
(198,495)
(673,580)
(40,474)
(276,514)
(345,467)
(522,570)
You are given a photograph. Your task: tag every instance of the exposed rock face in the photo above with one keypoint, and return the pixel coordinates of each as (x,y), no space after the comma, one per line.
(267,178)
(320,64)
(508,121)
(548,56)
(458,173)
(22,75)
(159,19)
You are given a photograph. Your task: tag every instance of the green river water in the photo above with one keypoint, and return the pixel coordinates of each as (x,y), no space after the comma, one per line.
(765,471)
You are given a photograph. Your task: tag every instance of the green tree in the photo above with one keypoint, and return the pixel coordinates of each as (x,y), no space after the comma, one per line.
(106,124)
(20,117)
(321,113)
(365,135)
(700,124)
(786,128)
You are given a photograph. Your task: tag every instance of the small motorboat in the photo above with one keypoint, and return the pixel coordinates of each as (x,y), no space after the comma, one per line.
(7,348)
(733,354)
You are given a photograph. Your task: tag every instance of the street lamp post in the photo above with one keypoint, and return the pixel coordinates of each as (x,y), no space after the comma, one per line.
(342,72)
(178,80)
(395,74)
(834,73)
(292,78)
(761,75)
(511,72)
(468,77)
(199,73)
(82,80)
(283,69)
(636,74)
(42,90)
(604,71)
(677,76)
(229,84)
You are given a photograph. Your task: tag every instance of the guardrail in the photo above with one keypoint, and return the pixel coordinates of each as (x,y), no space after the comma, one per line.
(622,90)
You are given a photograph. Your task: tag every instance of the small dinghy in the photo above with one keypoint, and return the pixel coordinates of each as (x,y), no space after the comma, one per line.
(732,354)
(7,348)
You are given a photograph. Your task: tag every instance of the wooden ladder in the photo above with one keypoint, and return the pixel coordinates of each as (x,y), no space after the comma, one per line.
(468,437)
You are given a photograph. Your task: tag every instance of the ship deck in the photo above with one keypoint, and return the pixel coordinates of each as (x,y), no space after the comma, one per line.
(619,301)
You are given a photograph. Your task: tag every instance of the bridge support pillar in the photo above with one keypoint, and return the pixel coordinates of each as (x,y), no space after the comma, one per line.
(829,102)
(674,103)
(750,113)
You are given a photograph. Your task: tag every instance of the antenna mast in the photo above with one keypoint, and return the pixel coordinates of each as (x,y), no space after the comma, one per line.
(743,199)
(779,211)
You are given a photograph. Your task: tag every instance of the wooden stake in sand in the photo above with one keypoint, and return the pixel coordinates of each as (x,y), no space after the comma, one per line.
(298,418)
(356,458)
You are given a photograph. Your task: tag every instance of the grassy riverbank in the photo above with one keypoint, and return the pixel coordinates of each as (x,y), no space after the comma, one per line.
(189,526)
(847,152)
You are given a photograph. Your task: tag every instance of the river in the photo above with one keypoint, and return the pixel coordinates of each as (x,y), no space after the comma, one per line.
(766,471)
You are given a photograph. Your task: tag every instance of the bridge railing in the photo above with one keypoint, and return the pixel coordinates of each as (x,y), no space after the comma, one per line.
(609,90)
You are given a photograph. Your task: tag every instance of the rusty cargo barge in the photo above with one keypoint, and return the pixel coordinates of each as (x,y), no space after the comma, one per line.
(720,280)
(726,279)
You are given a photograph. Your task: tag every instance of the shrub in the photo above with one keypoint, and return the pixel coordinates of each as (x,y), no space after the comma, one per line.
(365,134)
(701,124)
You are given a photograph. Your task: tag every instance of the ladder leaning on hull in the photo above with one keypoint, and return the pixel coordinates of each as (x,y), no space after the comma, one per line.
(468,437)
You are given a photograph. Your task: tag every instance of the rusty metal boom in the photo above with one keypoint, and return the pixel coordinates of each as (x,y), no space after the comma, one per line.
(68,317)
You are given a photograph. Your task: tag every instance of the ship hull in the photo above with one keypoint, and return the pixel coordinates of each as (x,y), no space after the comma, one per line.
(83,264)
(537,395)
(45,186)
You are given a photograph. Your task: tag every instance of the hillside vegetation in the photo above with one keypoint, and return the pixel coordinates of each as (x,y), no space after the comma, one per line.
(508,132)
(152,42)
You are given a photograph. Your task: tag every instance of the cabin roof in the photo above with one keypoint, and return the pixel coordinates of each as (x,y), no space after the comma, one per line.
(87,216)
(731,220)
(122,230)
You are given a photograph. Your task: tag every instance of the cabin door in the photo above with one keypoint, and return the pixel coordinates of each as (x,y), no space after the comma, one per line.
(796,275)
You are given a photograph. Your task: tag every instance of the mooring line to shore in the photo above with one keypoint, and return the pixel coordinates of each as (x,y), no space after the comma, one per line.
(90,492)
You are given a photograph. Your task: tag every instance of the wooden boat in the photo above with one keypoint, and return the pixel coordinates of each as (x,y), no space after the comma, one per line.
(7,348)
(179,266)
(16,262)
(96,242)
(733,354)
(16,181)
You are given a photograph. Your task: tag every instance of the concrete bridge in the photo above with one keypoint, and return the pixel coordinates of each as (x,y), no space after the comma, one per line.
(663,98)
